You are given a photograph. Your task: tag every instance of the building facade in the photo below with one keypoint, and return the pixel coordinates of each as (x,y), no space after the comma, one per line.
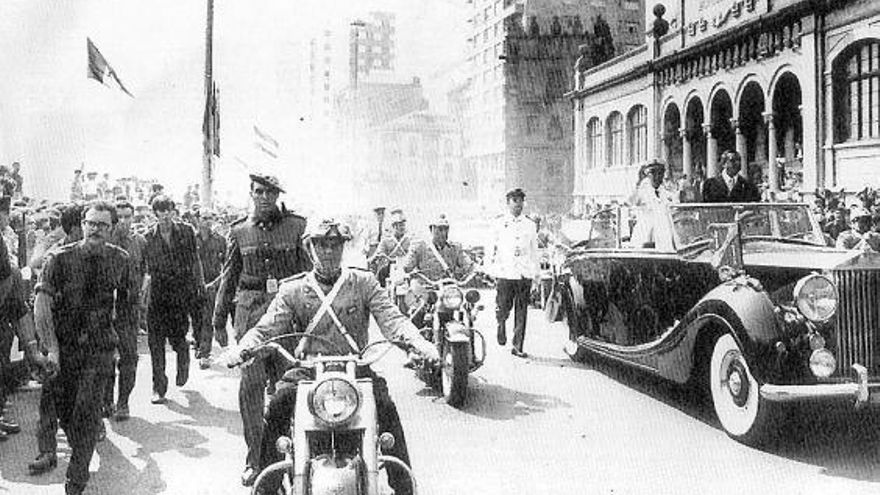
(791,85)
(520,54)
(419,158)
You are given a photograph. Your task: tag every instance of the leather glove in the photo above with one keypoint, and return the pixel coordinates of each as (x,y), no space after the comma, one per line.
(427,350)
(235,355)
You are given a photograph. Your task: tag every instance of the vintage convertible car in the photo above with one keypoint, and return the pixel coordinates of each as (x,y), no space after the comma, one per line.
(746,299)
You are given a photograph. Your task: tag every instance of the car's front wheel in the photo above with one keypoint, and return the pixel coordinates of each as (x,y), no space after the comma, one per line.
(736,394)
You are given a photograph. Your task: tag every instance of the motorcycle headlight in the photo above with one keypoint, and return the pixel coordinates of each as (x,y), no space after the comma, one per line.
(334,401)
(472,296)
(816,297)
(822,363)
(452,298)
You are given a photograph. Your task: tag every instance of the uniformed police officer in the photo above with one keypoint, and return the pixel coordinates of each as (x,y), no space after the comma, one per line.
(81,289)
(514,260)
(261,250)
(438,258)
(394,247)
(355,295)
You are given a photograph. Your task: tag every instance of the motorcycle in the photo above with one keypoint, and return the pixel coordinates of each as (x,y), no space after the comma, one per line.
(334,447)
(394,280)
(449,315)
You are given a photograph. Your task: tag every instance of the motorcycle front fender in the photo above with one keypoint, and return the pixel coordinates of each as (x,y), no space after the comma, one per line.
(457,332)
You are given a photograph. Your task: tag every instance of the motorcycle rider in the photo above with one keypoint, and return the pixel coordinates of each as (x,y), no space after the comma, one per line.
(334,303)
(394,246)
(438,258)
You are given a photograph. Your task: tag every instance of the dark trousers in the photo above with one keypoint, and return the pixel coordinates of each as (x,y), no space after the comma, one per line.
(167,325)
(78,391)
(203,327)
(127,330)
(47,427)
(513,293)
(281,409)
(6,380)
(250,306)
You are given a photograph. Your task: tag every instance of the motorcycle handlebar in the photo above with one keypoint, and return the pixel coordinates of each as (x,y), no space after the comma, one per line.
(443,281)
(310,363)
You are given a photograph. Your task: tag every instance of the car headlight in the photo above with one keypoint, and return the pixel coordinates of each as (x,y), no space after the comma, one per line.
(816,297)
(334,401)
(822,363)
(451,298)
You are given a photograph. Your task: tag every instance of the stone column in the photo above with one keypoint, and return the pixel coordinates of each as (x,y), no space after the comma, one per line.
(711,152)
(772,170)
(741,148)
(687,165)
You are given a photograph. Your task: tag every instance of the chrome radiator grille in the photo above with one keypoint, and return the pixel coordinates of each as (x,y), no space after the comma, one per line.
(858,320)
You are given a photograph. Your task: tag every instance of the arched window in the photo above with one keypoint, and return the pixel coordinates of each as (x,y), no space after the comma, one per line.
(595,144)
(857,93)
(637,134)
(615,139)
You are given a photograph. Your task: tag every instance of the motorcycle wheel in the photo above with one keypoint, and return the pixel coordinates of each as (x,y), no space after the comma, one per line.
(454,373)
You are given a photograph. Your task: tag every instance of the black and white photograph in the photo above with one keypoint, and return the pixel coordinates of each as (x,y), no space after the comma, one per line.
(440,247)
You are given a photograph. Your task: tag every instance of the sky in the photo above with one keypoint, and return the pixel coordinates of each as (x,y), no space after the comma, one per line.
(54,119)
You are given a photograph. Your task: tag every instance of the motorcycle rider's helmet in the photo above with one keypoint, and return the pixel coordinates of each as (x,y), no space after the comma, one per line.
(326,228)
(440,221)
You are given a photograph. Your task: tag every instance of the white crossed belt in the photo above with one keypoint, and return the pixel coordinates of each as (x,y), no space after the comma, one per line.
(326,308)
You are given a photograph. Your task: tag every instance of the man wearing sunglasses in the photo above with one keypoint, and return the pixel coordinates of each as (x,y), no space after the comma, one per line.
(262,249)
(81,290)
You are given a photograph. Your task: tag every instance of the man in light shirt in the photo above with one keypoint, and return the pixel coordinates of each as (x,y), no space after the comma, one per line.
(514,261)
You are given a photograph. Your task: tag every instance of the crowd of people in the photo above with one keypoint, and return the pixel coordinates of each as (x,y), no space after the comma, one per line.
(80,280)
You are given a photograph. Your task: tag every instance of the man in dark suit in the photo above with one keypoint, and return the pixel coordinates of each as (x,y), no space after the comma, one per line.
(729,186)
(177,285)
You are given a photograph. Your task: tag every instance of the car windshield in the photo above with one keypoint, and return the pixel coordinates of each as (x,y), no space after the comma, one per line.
(778,221)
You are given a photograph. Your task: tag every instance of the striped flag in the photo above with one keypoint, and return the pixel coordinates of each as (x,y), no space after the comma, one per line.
(100,70)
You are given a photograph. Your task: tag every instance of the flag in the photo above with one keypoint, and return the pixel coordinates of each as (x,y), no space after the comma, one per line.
(100,70)
(264,142)
(211,122)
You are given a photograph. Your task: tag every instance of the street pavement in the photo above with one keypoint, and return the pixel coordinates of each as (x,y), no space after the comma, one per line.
(541,425)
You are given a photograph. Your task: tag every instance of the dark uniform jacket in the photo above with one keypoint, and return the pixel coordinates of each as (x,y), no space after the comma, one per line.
(212,252)
(715,191)
(174,279)
(259,249)
(87,290)
(133,244)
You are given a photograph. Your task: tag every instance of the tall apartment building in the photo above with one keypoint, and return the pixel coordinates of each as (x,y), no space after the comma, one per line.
(517,127)
(371,48)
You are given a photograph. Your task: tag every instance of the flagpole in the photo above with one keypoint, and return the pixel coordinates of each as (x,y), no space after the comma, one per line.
(208,137)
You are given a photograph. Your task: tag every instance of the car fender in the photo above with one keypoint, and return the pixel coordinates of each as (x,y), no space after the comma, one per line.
(743,309)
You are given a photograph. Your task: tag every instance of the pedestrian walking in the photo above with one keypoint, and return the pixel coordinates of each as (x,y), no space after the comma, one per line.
(262,249)
(47,428)
(176,287)
(212,253)
(514,261)
(80,290)
(127,321)
(15,320)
